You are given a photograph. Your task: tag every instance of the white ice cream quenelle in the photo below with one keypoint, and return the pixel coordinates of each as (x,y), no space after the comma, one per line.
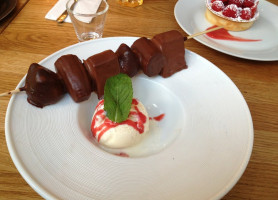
(124,134)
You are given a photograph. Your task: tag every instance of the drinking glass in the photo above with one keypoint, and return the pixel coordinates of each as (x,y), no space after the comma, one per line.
(87,17)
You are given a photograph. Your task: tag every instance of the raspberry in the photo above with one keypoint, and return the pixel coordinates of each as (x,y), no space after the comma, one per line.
(217,6)
(246,13)
(224,1)
(231,11)
(237,2)
(248,3)
(254,9)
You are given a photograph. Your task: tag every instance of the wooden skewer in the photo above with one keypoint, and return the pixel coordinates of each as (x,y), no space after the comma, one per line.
(188,37)
(10,92)
(204,32)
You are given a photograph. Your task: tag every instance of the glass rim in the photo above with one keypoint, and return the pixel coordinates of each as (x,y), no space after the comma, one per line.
(87,15)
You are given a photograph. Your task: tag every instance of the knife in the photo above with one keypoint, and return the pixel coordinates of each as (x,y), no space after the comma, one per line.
(64,15)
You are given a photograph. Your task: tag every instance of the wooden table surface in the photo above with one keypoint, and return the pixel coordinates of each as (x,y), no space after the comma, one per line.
(29,38)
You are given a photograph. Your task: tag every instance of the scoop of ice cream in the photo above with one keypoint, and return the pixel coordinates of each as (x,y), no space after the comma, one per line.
(124,134)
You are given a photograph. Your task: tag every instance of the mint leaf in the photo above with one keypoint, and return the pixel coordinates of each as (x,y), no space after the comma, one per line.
(118,95)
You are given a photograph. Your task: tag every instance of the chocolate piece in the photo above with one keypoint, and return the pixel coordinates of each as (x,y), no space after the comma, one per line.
(74,76)
(102,66)
(129,62)
(171,44)
(43,87)
(150,57)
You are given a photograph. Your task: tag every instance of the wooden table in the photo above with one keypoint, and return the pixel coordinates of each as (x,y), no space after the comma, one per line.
(29,37)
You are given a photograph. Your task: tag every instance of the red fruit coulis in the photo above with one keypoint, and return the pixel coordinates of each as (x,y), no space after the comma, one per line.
(122,154)
(223,34)
(108,124)
(157,118)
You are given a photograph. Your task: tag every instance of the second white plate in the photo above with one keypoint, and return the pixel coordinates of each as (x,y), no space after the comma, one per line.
(190,15)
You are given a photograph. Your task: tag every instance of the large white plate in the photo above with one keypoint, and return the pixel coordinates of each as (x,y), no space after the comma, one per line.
(190,15)
(205,141)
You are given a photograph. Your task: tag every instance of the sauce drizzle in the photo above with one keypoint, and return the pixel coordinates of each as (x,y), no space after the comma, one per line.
(157,118)
(223,34)
(108,124)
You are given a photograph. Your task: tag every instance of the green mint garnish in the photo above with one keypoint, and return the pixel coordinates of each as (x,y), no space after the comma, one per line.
(118,95)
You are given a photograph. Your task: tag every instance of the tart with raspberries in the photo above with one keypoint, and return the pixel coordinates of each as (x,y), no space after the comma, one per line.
(233,15)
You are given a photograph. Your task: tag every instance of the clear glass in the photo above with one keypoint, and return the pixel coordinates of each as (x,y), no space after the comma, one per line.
(130,3)
(87,17)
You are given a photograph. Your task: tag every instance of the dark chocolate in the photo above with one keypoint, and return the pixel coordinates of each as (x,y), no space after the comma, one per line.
(151,58)
(129,62)
(43,87)
(171,44)
(75,77)
(102,66)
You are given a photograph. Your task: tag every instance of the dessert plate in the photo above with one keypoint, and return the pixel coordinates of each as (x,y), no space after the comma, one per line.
(6,7)
(205,143)
(192,20)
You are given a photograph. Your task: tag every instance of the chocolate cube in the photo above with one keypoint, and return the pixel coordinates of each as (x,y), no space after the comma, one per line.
(129,62)
(43,87)
(150,57)
(171,44)
(102,66)
(75,77)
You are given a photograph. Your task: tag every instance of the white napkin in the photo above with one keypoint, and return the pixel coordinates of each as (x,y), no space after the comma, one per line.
(57,10)
(60,7)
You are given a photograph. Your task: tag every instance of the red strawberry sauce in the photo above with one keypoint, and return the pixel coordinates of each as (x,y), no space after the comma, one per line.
(223,34)
(107,124)
(157,118)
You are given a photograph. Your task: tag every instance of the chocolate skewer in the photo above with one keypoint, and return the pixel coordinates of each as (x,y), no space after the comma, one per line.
(185,38)
(11,92)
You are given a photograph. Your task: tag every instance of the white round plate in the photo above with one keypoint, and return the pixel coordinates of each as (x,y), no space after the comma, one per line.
(190,15)
(202,149)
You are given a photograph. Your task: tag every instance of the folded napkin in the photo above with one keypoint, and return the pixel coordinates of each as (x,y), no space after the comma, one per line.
(58,9)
